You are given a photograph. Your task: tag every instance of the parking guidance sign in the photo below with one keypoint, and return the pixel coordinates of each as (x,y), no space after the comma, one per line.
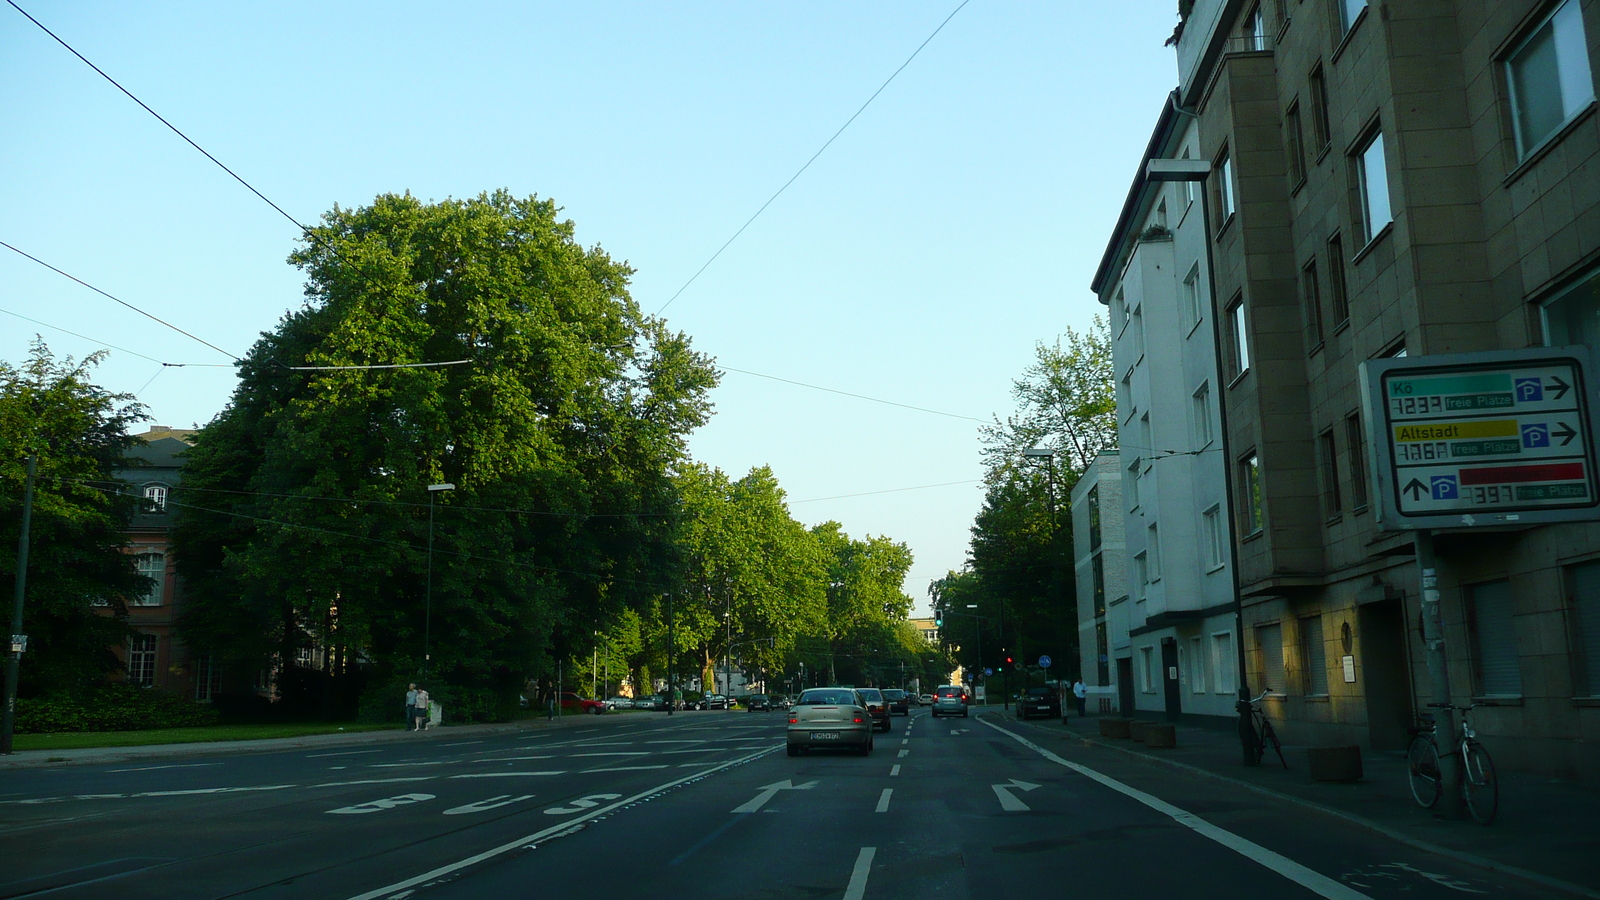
(1481,439)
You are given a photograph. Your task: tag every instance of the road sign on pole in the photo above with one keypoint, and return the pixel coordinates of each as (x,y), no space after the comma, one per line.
(1477,439)
(1044,662)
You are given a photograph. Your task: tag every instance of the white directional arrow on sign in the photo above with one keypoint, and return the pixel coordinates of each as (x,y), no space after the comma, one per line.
(1008,800)
(486,805)
(769,791)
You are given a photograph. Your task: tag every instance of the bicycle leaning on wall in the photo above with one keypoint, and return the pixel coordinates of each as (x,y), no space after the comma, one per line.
(1480,789)
(1261,735)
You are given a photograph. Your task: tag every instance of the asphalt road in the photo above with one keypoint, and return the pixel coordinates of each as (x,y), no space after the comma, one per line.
(699,805)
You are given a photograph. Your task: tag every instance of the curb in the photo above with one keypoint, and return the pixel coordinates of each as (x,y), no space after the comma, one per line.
(1460,856)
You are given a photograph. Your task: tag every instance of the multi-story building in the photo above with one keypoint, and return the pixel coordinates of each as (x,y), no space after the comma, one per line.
(1391,179)
(1100,572)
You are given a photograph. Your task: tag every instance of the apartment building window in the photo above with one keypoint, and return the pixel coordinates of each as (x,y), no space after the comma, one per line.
(1132,486)
(1197,665)
(1321,133)
(1146,441)
(154,567)
(1372,177)
(1328,456)
(1188,186)
(1350,13)
(1338,288)
(1573,315)
(1125,395)
(1147,670)
(1211,522)
(1314,656)
(1141,575)
(1153,551)
(142,659)
(1294,146)
(1492,631)
(1583,591)
(1160,220)
(1355,437)
(1238,339)
(155,498)
(1200,409)
(1119,313)
(1255,30)
(1136,332)
(1093,504)
(1549,77)
(1250,517)
(1311,297)
(1269,640)
(1191,295)
(1223,678)
(1099,585)
(207,679)
(1224,187)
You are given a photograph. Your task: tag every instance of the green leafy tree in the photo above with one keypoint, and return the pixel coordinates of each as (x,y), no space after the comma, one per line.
(306,512)
(79,570)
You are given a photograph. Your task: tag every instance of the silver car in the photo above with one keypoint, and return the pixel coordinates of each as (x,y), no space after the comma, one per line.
(950,700)
(830,717)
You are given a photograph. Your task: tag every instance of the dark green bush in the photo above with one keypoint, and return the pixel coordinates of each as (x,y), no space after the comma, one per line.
(115,707)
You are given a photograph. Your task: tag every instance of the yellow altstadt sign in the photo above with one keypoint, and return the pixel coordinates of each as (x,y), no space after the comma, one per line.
(1451,431)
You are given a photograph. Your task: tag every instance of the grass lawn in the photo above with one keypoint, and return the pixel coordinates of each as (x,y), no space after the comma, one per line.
(81,740)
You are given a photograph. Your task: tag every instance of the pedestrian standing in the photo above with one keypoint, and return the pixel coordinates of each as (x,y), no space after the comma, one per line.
(411,708)
(424,713)
(1080,693)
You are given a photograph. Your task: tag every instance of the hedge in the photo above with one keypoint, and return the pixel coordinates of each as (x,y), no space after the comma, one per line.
(110,708)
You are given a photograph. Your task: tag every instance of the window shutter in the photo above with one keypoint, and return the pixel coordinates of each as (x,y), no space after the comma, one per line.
(1494,639)
(1270,639)
(1586,629)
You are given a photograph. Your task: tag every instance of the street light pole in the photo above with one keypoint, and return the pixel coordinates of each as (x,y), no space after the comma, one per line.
(427,620)
(19,641)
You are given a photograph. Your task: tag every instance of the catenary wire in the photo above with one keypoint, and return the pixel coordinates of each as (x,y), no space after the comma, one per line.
(115,347)
(813,158)
(818,387)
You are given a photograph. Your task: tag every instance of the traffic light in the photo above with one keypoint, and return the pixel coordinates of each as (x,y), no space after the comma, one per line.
(938,618)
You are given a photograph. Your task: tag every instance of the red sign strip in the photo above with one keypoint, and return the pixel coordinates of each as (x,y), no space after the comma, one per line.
(1553,472)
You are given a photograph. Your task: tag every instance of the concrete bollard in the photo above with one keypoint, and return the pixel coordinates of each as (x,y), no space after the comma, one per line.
(1160,735)
(1114,727)
(1341,763)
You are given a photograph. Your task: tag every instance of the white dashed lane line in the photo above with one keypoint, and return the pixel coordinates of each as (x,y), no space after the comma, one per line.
(883,800)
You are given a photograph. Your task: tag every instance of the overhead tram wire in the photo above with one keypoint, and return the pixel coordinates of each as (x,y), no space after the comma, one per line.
(818,387)
(813,158)
(112,346)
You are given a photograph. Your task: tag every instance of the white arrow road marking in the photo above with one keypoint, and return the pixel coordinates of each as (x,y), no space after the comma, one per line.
(1310,879)
(373,806)
(580,804)
(857,888)
(902,754)
(621,769)
(374,781)
(506,774)
(1008,800)
(486,805)
(883,800)
(769,791)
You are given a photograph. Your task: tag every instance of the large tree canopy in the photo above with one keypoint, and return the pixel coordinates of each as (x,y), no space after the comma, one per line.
(305,512)
(78,433)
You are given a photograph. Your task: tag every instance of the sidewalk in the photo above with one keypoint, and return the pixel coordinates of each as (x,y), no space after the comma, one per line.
(30,759)
(1546,830)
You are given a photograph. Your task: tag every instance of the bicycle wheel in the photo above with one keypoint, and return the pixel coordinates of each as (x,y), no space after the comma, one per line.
(1270,737)
(1250,737)
(1478,783)
(1422,770)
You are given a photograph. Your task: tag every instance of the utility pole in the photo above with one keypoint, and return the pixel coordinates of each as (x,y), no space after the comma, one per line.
(672,695)
(19,641)
(1444,718)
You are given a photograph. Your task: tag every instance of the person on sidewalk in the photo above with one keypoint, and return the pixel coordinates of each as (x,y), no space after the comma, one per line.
(1080,694)
(411,708)
(424,712)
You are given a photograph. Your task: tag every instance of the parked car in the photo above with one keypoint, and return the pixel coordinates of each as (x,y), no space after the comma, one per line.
(779,701)
(713,701)
(925,699)
(950,700)
(877,707)
(1039,701)
(753,702)
(620,702)
(899,702)
(571,702)
(829,717)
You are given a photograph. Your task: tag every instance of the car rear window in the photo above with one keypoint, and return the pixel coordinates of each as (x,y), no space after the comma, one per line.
(827,698)
(1040,692)
(895,695)
(872,695)
(950,692)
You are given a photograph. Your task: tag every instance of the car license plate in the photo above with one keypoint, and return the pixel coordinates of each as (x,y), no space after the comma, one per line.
(824,735)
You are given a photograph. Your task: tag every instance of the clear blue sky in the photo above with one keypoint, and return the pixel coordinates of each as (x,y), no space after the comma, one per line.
(957,222)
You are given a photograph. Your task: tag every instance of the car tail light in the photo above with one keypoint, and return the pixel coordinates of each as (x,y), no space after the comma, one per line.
(858,720)
(793,720)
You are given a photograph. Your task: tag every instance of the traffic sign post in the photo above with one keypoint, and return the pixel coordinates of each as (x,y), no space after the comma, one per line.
(1478,439)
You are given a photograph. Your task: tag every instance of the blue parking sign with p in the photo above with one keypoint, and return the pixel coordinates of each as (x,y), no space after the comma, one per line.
(1444,487)
(1529,390)
(1537,435)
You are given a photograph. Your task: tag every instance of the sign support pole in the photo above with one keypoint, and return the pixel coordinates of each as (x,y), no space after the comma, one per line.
(1439,678)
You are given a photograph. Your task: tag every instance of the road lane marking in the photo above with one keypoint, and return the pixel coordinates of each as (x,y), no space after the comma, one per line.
(905,740)
(506,774)
(580,804)
(615,753)
(1008,800)
(902,754)
(621,769)
(768,791)
(894,771)
(606,743)
(174,766)
(512,758)
(375,781)
(883,800)
(1308,878)
(857,888)
(420,762)
(676,742)
(486,805)
(544,833)
(372,806)
(345,753)
(695,750)
(463,743)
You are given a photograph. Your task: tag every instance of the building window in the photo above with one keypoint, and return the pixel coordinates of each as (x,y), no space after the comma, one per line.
(1136,333)
(1311,297)
(1492,630)
(1102,648)
(142,659)
(1350,12)
(1119,312)
(1338,289)
(1321,134)
(1147,671)
(1093,504)
(1269,640)
(1224,181)
(1132,489)
(1356,439)
(1099,585)
(1583,587)
(155,498)
(1188,186)
(207,678)
(1573,316)
(1250,517)
(154,567)
(1125,395)
(1141,575)
(1238,339)
(1329,458)
(1197,665)
(1153,551)
(1160,220)
(1147,443)
(1314,656)
(1191,295)
(1294,146)
(1549,77)
(1255,30)
(1223,678)
(1200,409)
(1372,176)
(1211,519)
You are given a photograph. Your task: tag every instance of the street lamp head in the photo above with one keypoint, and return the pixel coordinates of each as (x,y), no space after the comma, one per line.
(441,487)
(1038,453)
(1177,169)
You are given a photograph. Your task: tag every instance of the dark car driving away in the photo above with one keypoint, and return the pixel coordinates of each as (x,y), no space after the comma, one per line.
(899,702)
(1039,701)
(754,702)
(877,707)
